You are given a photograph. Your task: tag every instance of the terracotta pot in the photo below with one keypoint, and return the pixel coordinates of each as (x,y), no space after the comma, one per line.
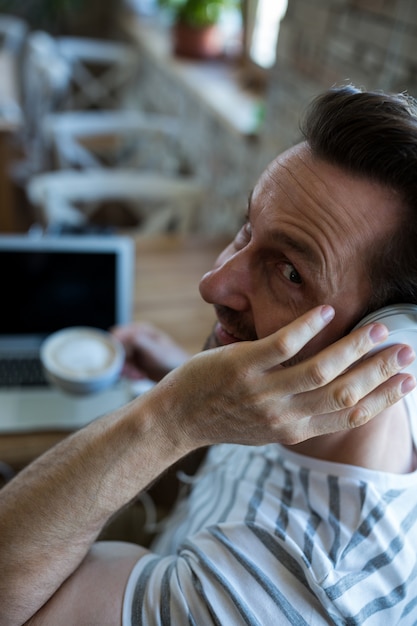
(198,42)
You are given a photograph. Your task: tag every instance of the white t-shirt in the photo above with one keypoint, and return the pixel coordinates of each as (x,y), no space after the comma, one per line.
(269,537)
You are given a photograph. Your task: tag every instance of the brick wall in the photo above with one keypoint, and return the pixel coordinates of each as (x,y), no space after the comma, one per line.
(371,43)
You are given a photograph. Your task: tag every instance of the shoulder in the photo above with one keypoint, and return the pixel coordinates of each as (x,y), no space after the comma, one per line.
(285,535)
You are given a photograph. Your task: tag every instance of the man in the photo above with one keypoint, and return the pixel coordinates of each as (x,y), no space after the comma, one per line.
(302,524)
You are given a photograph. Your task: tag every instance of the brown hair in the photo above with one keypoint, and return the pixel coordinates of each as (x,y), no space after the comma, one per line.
(374,135)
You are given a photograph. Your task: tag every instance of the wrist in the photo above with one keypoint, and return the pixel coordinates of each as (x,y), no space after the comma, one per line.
(156,423)
(173,417)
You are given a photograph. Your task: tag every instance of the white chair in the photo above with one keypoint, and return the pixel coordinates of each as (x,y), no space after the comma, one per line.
(101,71)
(92,139)
(13,31)
(56,79)
(70,198)
(138,152)
(45,80)
(75,73)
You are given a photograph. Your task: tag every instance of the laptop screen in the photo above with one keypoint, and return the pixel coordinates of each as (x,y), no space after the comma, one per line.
(56,282)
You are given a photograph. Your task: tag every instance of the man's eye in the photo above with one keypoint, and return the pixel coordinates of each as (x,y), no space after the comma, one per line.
(243,236)
(291,274)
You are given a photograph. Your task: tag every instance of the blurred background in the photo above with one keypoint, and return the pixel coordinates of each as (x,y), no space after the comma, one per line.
(179,103)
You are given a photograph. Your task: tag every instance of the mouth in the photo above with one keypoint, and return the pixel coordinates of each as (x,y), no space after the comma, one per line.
(230,327)
(223,336)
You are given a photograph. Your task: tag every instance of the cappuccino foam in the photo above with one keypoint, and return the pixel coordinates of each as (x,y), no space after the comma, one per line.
(82,360)
(81,355)
(84,356)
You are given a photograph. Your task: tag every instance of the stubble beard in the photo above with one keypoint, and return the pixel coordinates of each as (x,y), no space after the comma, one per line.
(244,331)
(211,341)
(235,323)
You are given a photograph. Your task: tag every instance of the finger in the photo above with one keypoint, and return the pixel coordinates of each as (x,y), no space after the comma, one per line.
(371,373)
(130,371)
(348,389)
(128,332)
(381,398)
(368,407)
(288,341)
(337,358)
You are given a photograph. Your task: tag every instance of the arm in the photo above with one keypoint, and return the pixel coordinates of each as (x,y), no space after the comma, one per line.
(52,512)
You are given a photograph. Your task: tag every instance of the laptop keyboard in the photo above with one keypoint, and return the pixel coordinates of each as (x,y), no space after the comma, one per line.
(18,372)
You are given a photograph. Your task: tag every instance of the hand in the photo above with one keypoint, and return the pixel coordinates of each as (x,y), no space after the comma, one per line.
(150,353)
(242,393)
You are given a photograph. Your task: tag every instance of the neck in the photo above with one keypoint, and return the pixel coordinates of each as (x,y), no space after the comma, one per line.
(383,444)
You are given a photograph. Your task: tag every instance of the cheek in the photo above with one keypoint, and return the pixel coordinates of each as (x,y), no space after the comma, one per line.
(271,316)
(338,328)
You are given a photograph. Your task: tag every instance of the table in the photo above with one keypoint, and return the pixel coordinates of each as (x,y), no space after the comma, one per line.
(168,269)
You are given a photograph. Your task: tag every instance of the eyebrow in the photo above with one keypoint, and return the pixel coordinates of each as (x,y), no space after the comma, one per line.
(285,240)
(304,251)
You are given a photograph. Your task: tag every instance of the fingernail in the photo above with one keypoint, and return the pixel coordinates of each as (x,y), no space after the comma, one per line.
(327,313)
(378,332)
(405,356)
(408,384)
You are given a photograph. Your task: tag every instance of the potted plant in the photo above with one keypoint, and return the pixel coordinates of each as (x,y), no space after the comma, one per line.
(195,29)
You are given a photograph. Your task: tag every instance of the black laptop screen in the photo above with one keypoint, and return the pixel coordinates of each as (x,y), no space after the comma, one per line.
(44,292)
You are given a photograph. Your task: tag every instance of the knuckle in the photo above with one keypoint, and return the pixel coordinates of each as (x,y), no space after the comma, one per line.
(283,345)
(387,369)
(358,417)
(287,438)
(346,397)
(395,395)
(392,395)
(318,374)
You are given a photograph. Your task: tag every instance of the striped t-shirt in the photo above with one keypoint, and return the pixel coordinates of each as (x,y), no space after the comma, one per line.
(268,537)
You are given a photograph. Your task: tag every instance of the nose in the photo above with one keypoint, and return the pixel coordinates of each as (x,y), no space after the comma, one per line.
(229,282)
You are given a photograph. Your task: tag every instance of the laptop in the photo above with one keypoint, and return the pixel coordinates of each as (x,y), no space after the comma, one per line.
(49,283)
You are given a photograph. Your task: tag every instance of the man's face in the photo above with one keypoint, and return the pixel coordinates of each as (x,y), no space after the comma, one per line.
(310,227)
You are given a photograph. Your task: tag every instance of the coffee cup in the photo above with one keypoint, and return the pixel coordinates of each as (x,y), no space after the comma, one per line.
(82,360)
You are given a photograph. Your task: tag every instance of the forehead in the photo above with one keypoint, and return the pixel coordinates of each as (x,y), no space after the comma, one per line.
(298,188)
